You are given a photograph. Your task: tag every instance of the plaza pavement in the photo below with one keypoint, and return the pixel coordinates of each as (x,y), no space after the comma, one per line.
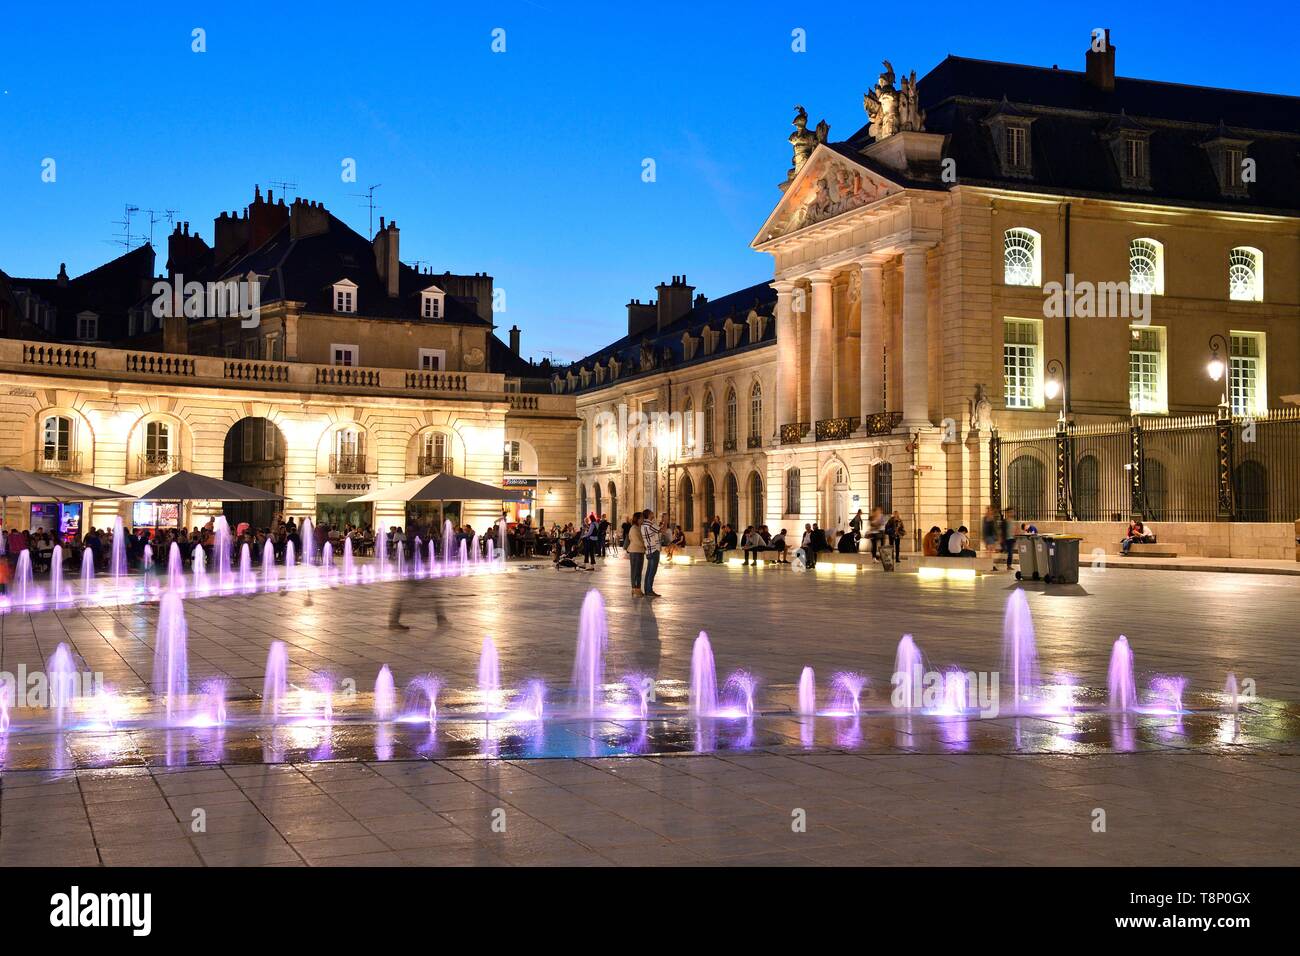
(1205,788)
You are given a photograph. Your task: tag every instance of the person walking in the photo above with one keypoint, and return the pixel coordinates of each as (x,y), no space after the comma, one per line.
(894,531)
(653,538)
(635,548)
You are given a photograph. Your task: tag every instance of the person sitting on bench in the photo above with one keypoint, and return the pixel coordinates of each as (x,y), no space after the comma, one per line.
(959,544)
(1137,532)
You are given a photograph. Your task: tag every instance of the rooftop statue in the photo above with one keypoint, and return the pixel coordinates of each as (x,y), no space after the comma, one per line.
(893,110)
(803,141)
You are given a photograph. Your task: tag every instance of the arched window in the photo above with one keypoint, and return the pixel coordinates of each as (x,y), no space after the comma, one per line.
(433,454)
(349,452)
(597,448)
(688,427)
(688,503)
(1025,487)
(1246,274)
(756,507)
(793,496)
(755,414)
(1146,267)
(882,486)
(613,503)
(596,498)
(582,442)
(732,415)
(1087,489)
(733,501)
(1021,258)
(56,443)
(708,421)
(710,499)
(582,503)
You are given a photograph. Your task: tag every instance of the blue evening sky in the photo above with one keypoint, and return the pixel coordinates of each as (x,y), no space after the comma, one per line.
(525,164)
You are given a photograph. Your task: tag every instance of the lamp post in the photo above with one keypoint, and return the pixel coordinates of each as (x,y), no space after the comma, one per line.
(1216,366)
(1055,385)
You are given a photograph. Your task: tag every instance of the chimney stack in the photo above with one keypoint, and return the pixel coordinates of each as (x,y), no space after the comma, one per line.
(387,243)
(185,252)
(514,339)
(307,218)
(265,218)
(1100,61)
(674,301)
(230,235)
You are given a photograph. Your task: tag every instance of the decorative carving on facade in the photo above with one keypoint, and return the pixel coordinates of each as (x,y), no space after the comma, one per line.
(893,110)
(837,191)
(981,410)
(803,141)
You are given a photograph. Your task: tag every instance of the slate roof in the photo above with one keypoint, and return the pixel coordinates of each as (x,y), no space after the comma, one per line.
(667,346)
(1070,151)
(109,291)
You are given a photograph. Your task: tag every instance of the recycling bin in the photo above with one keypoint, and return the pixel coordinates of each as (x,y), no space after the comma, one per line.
(1062,559)
(1027,550)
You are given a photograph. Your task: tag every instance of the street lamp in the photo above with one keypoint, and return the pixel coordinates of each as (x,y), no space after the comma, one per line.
(1054,385)
(1215,367)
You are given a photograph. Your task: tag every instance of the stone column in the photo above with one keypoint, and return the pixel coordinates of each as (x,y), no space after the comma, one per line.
(916,357)
(820,371)
(787,357)
(872,339)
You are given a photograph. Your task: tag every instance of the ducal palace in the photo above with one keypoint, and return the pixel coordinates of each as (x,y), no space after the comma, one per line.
(1064,293)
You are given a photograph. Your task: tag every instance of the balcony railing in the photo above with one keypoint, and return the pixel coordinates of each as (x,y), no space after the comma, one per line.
(754,441)
(512,464)
(148,465)
(831,429)
(60,463)
(595,461)
(434,465)
(882,423)
(582,461)
(792,432)
(347,464)
(729,444)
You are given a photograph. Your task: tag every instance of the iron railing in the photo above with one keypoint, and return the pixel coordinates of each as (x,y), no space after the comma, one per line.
(149,465)
(435,465)
(792,432)
(1181,469)
(754,441)
(58,462)
(833,429)
(347,463)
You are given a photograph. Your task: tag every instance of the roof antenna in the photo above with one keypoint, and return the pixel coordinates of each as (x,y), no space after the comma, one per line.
(369,197)
(284,187)
(158,215)
(125,237)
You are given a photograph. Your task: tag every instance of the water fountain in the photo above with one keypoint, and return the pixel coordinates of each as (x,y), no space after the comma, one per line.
(490,556)
(146,557)
(448,542)
(213,695)
(426,686)
(473,548)
(327,558)
(56,573)
(1119,677)
(385,694)
(1230,691)
(24,587)
(198,567)
(1168,693)
(909,669)
(417,558)
(171,657)
(268,566)
(464,553)
(246,580)
(87,572)
(589,662)
(742,685)
(534,703)
(807,692)
(704,678)
(381,554)
(848,692)
(1020,651)
(175,568)
(221,550)
(4,704)
(117,557)
(276,682)
(433,555)
(305,534)
(61,673)
(642,688)
(489,677)
(349,566)
(956,691)
(401,559)
(290,559)
(503,533)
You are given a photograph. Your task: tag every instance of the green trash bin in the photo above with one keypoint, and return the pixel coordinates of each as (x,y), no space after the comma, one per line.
(1062,559)
(1028,547)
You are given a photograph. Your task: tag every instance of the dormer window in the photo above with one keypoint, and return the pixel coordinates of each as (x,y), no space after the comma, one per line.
(87,326)
(689,346)
(1130,142)
(710,338)
(345,296)
(1010,129)
(757,326)
(432,303)
(1230,158)
(732,331)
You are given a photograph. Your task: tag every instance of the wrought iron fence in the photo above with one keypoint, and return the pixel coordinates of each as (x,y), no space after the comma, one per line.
(347,463)
(435,465)
(1185,468)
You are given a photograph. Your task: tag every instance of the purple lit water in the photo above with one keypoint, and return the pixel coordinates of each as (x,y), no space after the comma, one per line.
(268,566)
(589,661)
(489,677)
(221,550)
(1020,652)
(448,542)
(24,588)
(117,557)
(198,567)
(87,572)
(425,687)
(848,692)
(807,692)
(61,672)
(704,678)
(56,573)
(175,568)
(642,689)
(246,580)
(909,669)
(1230,691)
(276,682)
(533,704)
(349,565)
(385,694)
(1119,677)
(1167,693)
(741,686)
(171,657)
(305,534)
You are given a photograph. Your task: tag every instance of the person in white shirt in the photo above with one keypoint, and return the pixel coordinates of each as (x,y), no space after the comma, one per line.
(959,544)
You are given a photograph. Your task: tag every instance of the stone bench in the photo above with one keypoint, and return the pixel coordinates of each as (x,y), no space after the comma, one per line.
(1154,549)
(838,557)
(981,563)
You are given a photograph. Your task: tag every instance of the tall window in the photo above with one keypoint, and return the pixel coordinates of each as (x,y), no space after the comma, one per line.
(157,442)
(511,460)
(710,499)
(708,421)
(1145,267)
(732,415)
(733,501)
(56,439)
(882,486)
(793,505)
(756,506)
(1146,371)
(582,442)
(756,412)
(1246,383)
(598,450)
(350,451)
(1017,142)
(1245,274)
(1021,261)
(434,453)
(1135,158)
(688,503)
(1021,362)
(688,427)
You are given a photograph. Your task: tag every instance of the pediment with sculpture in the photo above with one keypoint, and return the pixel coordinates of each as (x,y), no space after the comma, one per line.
(827,186)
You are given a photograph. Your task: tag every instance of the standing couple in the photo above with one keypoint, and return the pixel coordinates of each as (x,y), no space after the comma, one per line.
(644,539)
